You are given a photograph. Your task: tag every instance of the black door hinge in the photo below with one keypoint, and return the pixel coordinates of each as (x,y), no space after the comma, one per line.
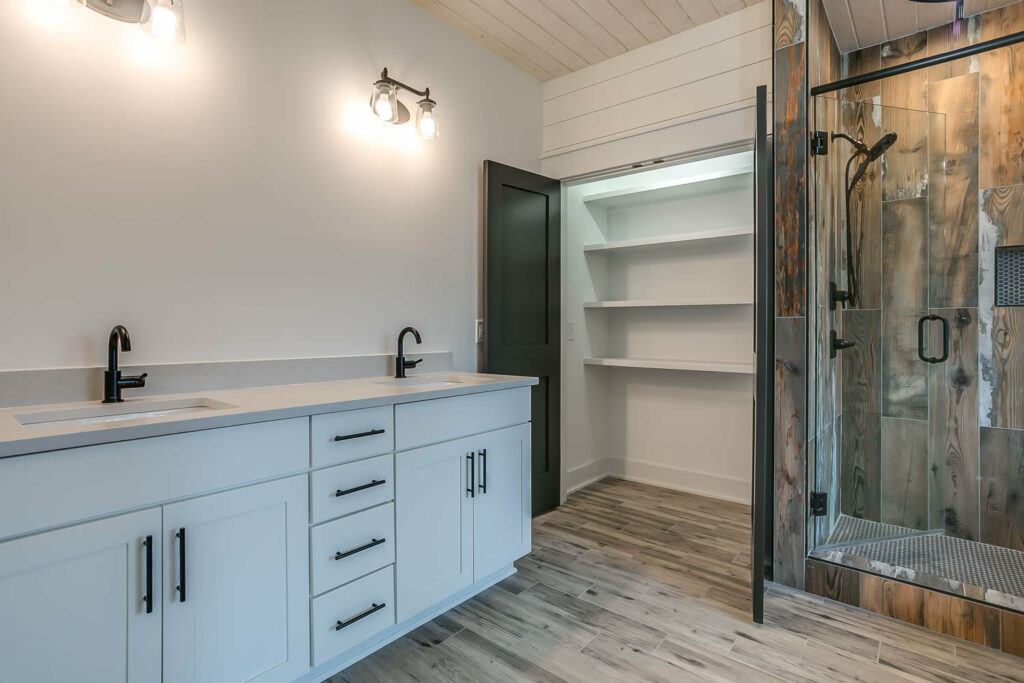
(819,143)
(819,504)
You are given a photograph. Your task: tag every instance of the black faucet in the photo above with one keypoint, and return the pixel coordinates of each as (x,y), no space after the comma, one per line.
(400,362)
(113,383)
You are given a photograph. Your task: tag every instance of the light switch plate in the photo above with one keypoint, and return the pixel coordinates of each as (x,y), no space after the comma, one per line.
(479,331)
(570,331)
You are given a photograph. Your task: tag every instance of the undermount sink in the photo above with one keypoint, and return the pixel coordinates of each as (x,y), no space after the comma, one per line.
(423,381)
(101,413)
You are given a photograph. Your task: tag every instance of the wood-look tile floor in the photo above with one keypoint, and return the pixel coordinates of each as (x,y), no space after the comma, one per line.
(629,582)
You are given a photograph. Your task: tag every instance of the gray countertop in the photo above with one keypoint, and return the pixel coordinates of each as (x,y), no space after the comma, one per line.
(229,407)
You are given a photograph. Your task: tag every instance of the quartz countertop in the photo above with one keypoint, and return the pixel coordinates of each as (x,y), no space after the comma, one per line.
(169,414)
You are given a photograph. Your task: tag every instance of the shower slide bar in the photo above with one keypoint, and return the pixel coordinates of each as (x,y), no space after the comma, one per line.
(978,48)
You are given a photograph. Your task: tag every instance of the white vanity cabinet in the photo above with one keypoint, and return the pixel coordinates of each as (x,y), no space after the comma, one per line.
(235,585)
(73,603)
(275,552)
(462,507)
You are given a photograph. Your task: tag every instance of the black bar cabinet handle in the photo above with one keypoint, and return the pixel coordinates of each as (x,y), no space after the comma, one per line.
(483,469)
(922,321)
(181,564)
(373,542)
(148,597)
(362,615)
(346,437)
(471,479)
(345,492)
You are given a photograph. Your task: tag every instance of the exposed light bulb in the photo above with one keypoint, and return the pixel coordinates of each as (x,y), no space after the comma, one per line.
(426,124)
(384,101)
(165,24)
(382,108)
(164,20)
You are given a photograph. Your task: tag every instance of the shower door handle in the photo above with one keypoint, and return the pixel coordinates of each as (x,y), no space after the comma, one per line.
(921,324)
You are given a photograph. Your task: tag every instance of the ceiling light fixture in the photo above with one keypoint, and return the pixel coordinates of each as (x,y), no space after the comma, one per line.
(164,20)
(387,107)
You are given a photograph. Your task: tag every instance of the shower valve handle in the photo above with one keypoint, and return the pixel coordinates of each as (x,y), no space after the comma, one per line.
(837,344)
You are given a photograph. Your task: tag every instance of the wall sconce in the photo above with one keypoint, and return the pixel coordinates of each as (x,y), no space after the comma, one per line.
(164,20)
(386,106)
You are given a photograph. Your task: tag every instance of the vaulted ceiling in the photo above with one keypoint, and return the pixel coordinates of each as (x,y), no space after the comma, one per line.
(860,23)
(550,38)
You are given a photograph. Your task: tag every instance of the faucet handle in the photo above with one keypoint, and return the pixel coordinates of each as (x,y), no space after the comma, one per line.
(413,363)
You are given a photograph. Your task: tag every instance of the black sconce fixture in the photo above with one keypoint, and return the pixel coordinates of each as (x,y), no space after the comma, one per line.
(386,106)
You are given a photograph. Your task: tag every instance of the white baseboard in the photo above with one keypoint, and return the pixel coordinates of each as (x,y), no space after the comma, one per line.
(585,475)
(701,483)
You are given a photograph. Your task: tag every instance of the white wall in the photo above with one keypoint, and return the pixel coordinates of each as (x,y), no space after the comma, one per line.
(691,91)
(229,198)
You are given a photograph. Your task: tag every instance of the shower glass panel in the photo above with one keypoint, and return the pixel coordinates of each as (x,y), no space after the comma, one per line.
(901,308)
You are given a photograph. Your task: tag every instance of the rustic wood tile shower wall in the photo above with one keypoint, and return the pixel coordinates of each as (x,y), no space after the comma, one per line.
(933,446)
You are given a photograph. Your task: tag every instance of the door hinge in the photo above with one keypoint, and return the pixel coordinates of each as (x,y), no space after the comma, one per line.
(819,504)
(819,143)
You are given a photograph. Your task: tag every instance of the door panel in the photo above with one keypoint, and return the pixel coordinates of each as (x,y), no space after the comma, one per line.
(245,616)
(501,519)
(71,603)
(434,525)
(523,305)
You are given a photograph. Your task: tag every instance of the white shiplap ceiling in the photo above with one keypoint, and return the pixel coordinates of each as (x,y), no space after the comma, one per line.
(861,23)
(550,38)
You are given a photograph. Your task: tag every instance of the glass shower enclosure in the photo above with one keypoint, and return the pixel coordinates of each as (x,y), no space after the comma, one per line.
(907,481)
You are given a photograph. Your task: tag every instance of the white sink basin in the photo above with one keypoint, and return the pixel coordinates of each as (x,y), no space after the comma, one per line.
(101,413)
(423,381)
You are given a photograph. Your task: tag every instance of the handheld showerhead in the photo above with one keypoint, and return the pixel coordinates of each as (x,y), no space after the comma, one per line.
(878,149)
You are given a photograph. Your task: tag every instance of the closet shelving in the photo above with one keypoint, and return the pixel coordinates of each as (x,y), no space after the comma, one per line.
(732,367)
(649,280)
(668,240)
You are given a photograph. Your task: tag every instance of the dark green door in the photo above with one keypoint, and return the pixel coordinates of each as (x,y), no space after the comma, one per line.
(522,304)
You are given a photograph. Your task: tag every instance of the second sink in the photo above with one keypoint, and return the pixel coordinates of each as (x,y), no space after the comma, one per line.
(101,413)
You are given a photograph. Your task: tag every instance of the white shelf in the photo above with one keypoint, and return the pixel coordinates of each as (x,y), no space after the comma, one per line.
(675,188)
(732,367)
(666,303)
(662,240)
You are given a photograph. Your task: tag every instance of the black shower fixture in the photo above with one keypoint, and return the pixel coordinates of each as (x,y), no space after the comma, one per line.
(870,154)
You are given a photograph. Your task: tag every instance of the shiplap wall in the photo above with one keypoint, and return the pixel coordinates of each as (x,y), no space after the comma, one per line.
(594,118)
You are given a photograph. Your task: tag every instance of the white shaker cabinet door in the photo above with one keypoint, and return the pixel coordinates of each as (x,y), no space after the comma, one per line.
(236,586)
(501,506)
(73,603)
(434,525)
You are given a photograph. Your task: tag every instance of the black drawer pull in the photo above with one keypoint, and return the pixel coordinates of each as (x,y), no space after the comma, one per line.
(181,564)
(362,615)
(346,437)
(345,492)
(373,542)
(148,597)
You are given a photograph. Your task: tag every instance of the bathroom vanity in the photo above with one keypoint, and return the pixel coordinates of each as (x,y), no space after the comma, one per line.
(268,534)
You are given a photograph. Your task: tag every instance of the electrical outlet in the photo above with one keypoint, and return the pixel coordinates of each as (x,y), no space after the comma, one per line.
(570,331)
(479,331)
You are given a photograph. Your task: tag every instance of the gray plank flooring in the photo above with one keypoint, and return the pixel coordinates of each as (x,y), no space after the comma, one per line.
(629,582)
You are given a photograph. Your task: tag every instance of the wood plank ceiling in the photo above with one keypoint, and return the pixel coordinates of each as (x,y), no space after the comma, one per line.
(862,23)
(550,38)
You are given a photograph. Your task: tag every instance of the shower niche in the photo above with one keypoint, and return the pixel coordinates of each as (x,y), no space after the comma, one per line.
(913,475)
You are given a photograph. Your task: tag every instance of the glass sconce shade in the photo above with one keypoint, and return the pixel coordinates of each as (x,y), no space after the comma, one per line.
(426,124)
(164,20)
(384,101)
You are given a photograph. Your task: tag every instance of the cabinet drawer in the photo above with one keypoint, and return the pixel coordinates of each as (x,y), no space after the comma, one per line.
(352,487)
(353,546)
(443,419)
(343,618)
(354,434)
(59,487)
